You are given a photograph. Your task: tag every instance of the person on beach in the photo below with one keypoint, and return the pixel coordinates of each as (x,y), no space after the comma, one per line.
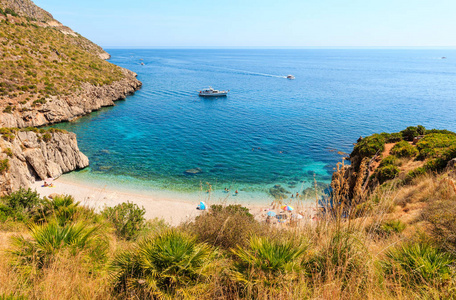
(291,195)
(236,192)
(297,194)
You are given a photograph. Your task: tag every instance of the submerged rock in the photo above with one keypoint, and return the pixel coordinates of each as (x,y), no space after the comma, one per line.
(193,171)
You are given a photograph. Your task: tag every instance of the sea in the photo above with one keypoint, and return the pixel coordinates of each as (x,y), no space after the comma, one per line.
(269,131)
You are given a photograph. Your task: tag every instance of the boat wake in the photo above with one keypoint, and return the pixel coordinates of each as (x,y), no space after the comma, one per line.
(248,72)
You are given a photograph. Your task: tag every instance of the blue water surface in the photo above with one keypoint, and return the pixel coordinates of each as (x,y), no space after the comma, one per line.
(269,130)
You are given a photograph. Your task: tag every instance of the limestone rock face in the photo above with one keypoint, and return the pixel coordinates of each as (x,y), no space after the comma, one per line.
(66,108)
(33,156)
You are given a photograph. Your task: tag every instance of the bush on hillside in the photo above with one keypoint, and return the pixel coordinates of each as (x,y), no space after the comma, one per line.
(169,265)
(416,264)
(47,240)
(437,145)
(127,218)
(404,149)
(269,262)
(225,226)
(369,146)
(62,209)
(18,205)
(390,160)
(411,132)
(387,173)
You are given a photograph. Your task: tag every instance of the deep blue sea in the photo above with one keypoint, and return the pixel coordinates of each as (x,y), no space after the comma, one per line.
(269,130)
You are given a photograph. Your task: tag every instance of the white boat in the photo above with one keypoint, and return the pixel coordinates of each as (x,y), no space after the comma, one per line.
(210,92)
(290,77)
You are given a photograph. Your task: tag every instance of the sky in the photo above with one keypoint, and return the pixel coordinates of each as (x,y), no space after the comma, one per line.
(265,23)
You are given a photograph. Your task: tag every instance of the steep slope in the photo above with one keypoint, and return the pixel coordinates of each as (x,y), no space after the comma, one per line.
(49,73)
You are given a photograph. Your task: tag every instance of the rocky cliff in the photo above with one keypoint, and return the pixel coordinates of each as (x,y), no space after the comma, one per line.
(49,73)
(30,155)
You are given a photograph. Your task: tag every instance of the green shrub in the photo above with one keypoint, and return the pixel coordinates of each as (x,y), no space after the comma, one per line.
(268,262)
(62,209)
(8,109)
(8,152)
(390,160)
(47,137)
(4,165)
(404,149)
(414,174)
(411,132)
(392,137)
(415,264)
(225,226)
(436,145)
(167,266)
(387,173)
(22,200)
(48,239)
(9,11)
(127,218)
(389,227)
(369,146)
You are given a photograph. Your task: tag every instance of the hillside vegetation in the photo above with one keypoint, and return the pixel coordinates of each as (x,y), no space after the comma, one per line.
(39,61)
(394,241)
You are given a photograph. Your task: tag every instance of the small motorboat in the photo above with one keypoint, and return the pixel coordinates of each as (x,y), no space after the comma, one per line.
(210,92)
(290,77)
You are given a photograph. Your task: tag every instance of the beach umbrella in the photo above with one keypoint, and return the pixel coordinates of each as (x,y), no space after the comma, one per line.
(201,206)
(271,213)
(287,208)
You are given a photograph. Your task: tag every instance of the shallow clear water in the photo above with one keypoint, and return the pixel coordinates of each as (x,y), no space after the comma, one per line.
(269,130)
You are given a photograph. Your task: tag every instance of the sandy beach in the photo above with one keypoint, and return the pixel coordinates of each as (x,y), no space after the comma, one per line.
(173,211)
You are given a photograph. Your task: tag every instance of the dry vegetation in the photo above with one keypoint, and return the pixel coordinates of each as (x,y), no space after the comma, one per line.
(392,241)
(38,61)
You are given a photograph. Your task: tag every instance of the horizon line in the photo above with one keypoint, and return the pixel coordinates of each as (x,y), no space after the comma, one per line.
(282,47)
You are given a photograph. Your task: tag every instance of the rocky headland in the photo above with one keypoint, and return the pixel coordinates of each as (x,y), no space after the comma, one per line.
(48,74)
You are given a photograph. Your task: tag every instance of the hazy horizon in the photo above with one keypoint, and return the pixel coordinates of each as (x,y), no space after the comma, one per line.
(260,24)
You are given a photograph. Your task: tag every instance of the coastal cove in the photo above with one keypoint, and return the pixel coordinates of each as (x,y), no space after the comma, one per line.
(269,130)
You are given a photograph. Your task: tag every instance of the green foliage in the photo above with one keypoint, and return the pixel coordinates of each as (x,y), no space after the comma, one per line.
(22,200)
(411,132)
(269,262)
(8,152)
(369,146)
(47,137)
(168,265)
(390,160)
(404,149)
(4,165)
(415,173)
(225,226)
(62,209)
(387,173)
(392,137)
(389,227)
(437,145)
(9,11)
(418,264)
(8,109)
(49,239)
(127,218)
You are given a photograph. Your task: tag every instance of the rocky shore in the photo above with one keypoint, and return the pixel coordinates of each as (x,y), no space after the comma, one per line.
(66,108)
(32,155)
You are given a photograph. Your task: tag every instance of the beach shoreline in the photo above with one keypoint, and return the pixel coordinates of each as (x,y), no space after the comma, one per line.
(173,210)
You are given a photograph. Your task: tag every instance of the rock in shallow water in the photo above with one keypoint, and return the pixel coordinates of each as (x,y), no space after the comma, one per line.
(193,171)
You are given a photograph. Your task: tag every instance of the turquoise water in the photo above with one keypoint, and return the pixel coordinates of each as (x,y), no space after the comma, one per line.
(269,130)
